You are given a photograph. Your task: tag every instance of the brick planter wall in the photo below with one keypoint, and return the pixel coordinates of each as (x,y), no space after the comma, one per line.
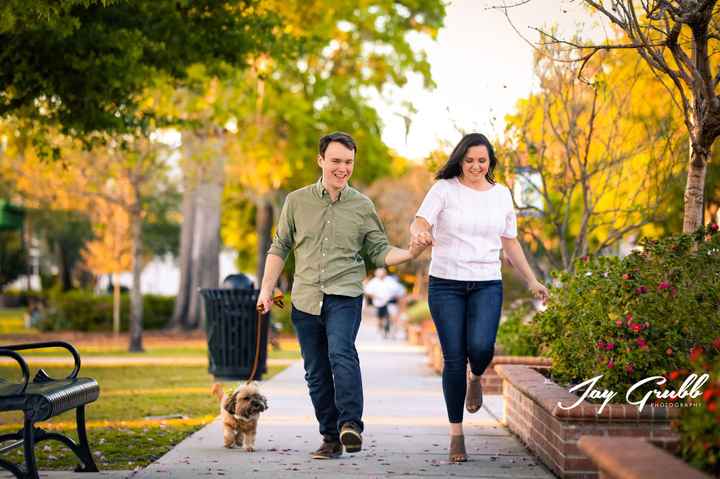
(552,433)
(630,458)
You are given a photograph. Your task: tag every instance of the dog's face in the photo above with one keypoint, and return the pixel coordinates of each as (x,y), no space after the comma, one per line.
(246,402)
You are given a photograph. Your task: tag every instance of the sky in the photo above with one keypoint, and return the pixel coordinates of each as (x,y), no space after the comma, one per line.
(481,67)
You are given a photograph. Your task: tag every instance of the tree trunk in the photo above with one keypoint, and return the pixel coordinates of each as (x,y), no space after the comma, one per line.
(116,303)
(203,168)
(263,227)
(65,267)
(182,301)
(693,214)
(136,300)
(205,249)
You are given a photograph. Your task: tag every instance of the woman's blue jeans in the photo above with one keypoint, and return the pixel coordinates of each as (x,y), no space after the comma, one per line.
(466,315)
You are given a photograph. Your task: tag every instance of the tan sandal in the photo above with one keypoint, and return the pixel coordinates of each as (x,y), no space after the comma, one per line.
(457,449)
(473,397)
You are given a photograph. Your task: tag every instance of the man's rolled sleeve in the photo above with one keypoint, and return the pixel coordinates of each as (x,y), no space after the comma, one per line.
(376,244)
(283,239)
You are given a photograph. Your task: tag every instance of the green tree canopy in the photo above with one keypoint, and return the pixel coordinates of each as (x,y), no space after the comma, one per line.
(83,63)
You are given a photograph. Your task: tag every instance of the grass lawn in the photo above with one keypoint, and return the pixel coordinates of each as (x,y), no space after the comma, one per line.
(143,410)
(124,429)
(12,320)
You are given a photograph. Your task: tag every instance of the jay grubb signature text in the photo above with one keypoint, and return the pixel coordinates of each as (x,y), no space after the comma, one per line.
(690,388)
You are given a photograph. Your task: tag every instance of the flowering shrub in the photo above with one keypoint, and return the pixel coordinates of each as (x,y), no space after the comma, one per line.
(634,317)
(699,426)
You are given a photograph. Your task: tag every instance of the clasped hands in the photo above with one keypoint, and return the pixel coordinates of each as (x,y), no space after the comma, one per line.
(420,241)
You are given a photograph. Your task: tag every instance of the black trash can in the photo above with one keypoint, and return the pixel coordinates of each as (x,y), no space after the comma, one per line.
(232,333)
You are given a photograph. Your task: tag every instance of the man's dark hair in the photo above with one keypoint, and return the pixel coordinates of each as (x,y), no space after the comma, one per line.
(342,138)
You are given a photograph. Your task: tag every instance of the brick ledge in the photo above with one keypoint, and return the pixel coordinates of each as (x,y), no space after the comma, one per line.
(633,458)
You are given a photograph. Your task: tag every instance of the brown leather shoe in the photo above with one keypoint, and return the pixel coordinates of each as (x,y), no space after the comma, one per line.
(328,450)
(351,437)
(473,397)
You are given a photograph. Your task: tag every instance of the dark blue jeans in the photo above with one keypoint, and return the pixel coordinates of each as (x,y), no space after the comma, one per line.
(332,366)
(466,315)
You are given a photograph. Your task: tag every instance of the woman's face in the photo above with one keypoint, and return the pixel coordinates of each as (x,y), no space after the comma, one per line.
(476,163)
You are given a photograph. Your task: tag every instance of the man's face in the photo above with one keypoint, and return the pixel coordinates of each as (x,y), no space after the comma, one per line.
(337,165)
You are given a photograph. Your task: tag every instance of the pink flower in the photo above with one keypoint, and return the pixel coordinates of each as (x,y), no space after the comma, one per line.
(610,346)
(673,291)
(641,290)
(629,368)
(664,285)
(626,276)
(601,344)
(669,351)
(619,323)
(635,327)
(641,342)
(716,342)
(629,317)
(714,227)
(610,364)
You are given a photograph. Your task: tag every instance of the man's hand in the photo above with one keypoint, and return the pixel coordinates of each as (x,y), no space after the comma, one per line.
(416,249)
(265,301)
(424,238)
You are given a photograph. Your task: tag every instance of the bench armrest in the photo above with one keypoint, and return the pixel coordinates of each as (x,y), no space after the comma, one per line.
(50,344)
(23,365)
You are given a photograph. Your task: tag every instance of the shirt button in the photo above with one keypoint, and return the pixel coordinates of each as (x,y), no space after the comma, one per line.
(323,254)
(325,239)
(328,221)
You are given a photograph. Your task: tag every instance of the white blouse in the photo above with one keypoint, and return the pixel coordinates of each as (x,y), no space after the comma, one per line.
(467,225)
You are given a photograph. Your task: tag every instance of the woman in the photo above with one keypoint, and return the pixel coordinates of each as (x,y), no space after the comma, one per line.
(468,218)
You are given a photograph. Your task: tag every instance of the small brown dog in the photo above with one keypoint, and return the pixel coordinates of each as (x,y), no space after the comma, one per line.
(240,412)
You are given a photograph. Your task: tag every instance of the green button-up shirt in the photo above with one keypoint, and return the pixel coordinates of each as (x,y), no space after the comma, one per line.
(327,239)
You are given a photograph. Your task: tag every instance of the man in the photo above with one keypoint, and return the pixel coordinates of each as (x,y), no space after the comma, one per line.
(327,224)
(383,290)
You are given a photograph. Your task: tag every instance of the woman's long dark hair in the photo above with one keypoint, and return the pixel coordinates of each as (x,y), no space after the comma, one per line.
(453,167)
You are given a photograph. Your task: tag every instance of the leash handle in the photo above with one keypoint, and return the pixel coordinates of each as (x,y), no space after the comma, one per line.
(277,301)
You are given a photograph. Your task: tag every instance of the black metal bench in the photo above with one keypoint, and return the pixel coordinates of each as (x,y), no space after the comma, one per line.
(40,399)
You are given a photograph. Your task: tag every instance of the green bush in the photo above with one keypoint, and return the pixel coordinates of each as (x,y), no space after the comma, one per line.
(634,317)
(11,298)
(515,333)
(81,310)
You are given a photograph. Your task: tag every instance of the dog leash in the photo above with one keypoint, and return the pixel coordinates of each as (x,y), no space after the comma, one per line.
(277,301)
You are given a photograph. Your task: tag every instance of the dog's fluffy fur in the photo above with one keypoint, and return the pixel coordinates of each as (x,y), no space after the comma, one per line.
(240,412)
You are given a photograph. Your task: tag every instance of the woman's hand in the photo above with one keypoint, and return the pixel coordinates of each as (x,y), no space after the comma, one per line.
(539,290)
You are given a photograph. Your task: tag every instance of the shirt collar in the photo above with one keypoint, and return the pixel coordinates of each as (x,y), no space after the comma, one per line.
(322,192)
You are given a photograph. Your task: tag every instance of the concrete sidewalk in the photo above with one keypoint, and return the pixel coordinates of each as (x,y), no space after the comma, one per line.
(405,430)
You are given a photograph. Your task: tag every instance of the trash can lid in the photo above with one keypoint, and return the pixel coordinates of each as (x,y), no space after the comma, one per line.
(238,281)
